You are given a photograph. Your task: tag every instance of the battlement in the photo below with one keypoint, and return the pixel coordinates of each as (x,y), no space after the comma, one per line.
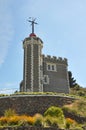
(55,59)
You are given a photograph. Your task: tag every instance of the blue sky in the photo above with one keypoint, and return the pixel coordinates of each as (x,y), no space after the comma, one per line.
(61,26)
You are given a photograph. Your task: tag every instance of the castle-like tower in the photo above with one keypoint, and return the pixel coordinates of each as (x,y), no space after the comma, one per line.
(32,76)
(41,73)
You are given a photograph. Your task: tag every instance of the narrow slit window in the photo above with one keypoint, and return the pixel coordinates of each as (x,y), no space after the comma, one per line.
(53,67)
(48,67)
(46,79)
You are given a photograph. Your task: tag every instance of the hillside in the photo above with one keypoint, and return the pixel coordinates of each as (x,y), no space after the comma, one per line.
(74,114)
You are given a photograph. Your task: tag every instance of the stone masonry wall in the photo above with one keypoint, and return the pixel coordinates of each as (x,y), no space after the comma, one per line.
(58,79)
(32,104)
(29,128)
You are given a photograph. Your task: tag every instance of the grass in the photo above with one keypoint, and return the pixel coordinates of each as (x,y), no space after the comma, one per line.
(81,92)
(78,107)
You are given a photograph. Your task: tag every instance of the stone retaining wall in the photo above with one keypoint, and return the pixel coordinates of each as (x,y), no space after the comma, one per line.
(29,128)
(32,104)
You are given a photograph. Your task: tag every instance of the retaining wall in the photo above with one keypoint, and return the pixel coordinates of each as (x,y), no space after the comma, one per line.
(29,128)
(32,104)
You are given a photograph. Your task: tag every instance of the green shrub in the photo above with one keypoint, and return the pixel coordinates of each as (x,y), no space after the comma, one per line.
(3,95)
(51,121)
(9,112)
(54,116)
(54,112)
(67,125)
(81,93)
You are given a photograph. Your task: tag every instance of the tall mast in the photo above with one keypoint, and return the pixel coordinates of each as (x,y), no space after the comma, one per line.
(32,23)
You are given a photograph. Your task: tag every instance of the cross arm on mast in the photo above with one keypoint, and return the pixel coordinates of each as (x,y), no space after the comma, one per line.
(32,23)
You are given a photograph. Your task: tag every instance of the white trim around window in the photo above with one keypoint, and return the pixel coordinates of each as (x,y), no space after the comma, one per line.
(51,67)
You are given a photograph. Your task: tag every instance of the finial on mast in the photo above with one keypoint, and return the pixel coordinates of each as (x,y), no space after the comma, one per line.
(32,23)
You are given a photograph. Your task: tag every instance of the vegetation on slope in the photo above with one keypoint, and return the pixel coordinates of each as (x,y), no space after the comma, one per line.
(53,117)
(77,108)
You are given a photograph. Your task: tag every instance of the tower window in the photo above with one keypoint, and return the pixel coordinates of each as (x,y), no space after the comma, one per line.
(45,79)
(48,67)
(51,67)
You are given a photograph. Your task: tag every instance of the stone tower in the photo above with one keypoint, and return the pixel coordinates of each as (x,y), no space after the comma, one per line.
(32,75)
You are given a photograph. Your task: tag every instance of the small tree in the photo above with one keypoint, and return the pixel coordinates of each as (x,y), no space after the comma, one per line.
(72,81)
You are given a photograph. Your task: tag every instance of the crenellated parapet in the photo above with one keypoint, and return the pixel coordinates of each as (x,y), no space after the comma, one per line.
(55,59)
(32,40)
